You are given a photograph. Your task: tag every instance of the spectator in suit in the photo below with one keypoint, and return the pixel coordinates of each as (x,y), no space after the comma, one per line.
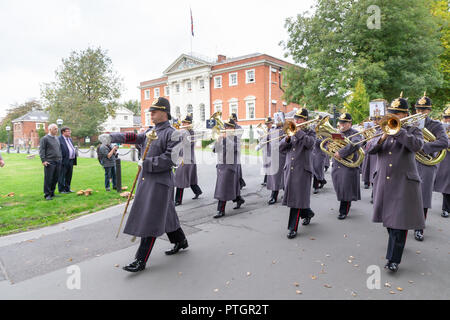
(69,159)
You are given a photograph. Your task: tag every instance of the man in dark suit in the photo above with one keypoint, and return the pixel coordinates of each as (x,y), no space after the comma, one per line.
(69,159)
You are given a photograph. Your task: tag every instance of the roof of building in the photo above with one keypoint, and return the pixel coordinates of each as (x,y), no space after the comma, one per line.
(37,116)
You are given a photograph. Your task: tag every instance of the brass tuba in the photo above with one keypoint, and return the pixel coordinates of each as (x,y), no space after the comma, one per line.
(329,145)
(428,159)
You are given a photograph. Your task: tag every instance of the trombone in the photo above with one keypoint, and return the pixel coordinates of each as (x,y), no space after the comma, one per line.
(290,128)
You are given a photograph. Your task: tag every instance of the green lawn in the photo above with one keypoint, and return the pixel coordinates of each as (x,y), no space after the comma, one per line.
(28,209)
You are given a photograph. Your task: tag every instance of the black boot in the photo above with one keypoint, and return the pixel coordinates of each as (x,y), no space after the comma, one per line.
(219,214)
(418,235)
(179,245)
(197,191)
(391,266)
(307,220)
(291,234)
(135,266)
(220,209)
(239,201)
(273,197)
(179,196)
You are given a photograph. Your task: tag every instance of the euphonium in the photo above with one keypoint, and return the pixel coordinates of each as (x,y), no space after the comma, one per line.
(290,128)
(330,145)
(428,159)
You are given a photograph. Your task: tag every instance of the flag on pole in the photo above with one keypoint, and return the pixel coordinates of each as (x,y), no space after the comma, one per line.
(192,23)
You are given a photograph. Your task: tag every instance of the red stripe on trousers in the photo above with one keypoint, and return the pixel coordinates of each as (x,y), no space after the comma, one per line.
(298,216)
(150,249)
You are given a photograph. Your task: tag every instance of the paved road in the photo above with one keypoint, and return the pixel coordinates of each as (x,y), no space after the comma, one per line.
(245,255)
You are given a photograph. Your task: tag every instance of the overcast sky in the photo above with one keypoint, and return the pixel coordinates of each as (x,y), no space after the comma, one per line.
(142,37)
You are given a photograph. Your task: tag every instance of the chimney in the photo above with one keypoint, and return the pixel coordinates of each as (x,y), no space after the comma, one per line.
(221,58)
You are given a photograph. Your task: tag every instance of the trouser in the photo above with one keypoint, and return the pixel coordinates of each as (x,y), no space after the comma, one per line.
(51,175)
(110,173)
(274,195)
(180,191)
(221,204)
(344,208)
(446,202)
(396,244)
(295,215)
(265,179)
(65,176)
(146,246)
(242,183)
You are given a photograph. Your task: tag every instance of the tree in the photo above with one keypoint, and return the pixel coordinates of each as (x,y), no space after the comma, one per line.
(134,106)
(41,132)
(357,103)
(85,92)
(336,47)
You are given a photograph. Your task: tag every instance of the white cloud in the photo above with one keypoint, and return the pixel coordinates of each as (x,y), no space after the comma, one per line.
(142,37)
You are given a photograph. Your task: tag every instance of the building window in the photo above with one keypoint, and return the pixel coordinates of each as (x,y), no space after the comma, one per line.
(218,82)
(125,118)
(177,88)
(233,79)
(178,112)
(218,107)
(38,126)
(202,112)
(234,109)
(147,94)
(156,92)
(250,76)
(147,119)
(189,86)
(250,110)
(190,109)
(201,83)
(166,91)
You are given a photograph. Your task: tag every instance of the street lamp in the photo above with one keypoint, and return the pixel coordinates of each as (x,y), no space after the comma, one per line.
(8,129)
(59,122)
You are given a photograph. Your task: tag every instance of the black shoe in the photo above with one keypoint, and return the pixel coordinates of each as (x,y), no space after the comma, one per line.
(391,266)
(291,234)
(316,191)
(177,203)
(418,235)
(108,189)
(272,201)
(135,266)
(70,191)
(196,196)
(48,198)
(264,184)
(179,245)
(114,188)
(371,201)
(342,216)
(219,214)
(239,203)
(307,220)
(64,192)
(322,183)
(366,186)
(444,214)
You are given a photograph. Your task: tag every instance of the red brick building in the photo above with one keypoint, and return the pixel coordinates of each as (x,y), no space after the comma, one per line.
(250,86)
(25,128)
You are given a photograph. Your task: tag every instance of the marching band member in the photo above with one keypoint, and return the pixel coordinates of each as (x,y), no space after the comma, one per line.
(318,162)
(186,172)
(153,211)
(298,173)
(228,187)
(428,173)
(275,176)
(238,127)
(371,164)
(396,187)
(442,182)
(345,179)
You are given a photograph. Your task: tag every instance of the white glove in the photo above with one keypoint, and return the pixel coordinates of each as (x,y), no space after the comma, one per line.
(140,163)
(258,147)
(105,138)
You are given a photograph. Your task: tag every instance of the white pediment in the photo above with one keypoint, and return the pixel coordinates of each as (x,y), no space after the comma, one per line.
(185,62)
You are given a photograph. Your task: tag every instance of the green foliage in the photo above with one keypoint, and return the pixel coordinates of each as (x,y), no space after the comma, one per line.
(41,132)
(134,106)
(335,47)
(357,103)
(85,92)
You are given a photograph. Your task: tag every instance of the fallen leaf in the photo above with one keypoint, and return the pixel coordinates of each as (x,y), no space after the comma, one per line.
(180,273)
(274,262)
(230,253)
(399,289)
(345,236)
(248,274)
(216,290)
(410,281)
(387,284)
(349,261)
(70,260)
(327,286)
(312,238)
(296,284)
(313,277)
(352,257)
(353,294)
(418,252)
(327,255)
(356,265)
(227,283)
(391,292)
(116,265)
(298,292)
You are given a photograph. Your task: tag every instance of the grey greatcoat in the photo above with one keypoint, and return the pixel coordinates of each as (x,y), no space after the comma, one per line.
(228,162)
(318,161)
(428,173)
(186,172)
(397,199)
(442,182)
(298,169)
(275,161)
(346,180)
(369,165)
(153,211)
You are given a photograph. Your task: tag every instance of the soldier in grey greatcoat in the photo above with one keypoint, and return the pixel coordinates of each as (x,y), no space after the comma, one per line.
(346,180)
(442,182)
(228,187)
(318,160)
(428,173)
(298,173)
(275,173)
(153,211)
(397,194)
(186,172)
(238,135)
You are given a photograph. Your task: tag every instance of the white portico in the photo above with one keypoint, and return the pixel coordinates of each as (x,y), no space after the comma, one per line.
(188,81)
